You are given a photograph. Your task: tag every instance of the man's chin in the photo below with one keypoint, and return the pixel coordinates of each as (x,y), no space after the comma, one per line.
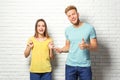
(75,23)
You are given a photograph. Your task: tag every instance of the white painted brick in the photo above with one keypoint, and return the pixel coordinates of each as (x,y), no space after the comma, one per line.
(17,20)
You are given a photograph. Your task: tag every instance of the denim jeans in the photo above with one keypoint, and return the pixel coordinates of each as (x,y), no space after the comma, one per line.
(41,76)
(75,73)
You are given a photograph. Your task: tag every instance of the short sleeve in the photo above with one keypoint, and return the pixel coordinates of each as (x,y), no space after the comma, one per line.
(92,33)
(51,39)
(66,34)
(29,40)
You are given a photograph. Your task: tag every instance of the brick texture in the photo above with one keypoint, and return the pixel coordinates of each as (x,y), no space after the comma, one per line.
(17,20)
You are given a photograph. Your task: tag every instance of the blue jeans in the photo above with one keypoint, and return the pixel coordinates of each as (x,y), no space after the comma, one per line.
(41,76)
(75,73)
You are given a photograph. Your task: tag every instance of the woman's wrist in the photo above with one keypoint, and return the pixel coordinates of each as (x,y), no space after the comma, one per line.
(28,47)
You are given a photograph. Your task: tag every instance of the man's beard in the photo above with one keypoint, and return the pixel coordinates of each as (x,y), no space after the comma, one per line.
(77,23)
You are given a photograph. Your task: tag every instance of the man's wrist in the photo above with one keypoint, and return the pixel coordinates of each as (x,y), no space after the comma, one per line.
(87,46)
(61,50)
(64,50)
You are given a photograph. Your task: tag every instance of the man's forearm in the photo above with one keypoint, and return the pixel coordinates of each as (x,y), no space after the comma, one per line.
(65,49)
(91,47)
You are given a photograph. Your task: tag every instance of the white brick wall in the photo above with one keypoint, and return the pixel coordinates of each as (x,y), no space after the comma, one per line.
(17,19)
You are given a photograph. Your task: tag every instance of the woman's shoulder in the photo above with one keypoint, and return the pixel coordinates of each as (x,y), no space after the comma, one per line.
(31,38)
(49,39)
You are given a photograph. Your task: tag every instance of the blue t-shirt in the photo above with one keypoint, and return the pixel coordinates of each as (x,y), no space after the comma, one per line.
(76,56)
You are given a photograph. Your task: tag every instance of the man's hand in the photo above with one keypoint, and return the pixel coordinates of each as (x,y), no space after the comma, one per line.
(58,50)
(83,44)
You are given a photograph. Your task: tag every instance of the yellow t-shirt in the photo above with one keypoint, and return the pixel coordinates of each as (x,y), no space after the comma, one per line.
(40,60)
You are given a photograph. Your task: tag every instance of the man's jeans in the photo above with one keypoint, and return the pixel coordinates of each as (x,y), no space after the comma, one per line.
(75,73)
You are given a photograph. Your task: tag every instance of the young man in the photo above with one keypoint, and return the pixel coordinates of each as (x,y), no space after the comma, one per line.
(80,40)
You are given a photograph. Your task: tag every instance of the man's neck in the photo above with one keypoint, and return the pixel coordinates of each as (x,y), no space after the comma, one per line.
(78,25)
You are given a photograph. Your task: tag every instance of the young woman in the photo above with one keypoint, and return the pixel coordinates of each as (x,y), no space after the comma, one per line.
(40,45)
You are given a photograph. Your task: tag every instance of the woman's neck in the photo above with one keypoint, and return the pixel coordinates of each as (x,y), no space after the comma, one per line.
(40,36)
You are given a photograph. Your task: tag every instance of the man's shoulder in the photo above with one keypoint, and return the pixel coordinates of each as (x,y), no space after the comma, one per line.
(88,26)
(69,27)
